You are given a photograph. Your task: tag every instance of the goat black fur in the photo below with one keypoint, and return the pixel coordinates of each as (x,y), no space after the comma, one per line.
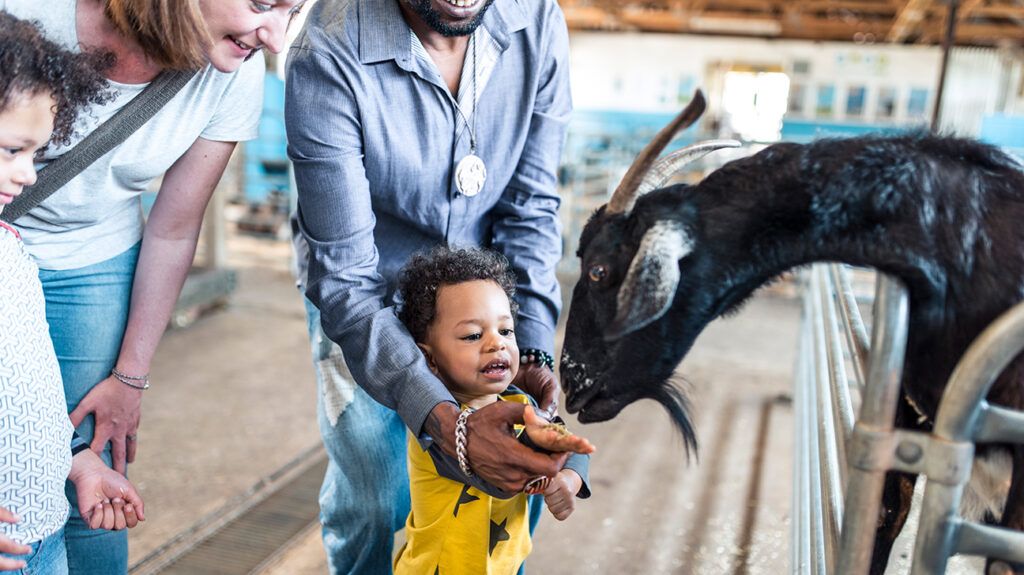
(944,215)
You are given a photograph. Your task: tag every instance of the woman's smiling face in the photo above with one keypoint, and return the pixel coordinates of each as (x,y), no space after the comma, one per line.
(240,27)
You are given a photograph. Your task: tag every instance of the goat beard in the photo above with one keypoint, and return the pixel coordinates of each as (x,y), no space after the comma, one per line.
(433,18)
(673,395)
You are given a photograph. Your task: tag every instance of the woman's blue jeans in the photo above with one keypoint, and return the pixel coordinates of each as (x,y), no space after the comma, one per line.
(87,309)
(48,557)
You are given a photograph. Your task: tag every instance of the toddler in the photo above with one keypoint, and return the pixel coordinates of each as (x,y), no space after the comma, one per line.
(458,306)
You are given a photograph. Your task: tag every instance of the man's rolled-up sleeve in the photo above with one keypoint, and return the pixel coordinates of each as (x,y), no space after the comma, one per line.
(526,226)
(336,219)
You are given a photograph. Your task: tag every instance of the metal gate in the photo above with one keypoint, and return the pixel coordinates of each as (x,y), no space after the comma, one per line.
(841,459)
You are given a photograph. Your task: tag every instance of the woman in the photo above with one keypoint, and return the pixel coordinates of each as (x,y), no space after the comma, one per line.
(110,287)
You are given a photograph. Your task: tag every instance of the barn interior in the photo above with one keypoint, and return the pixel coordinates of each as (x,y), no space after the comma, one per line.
(230,459)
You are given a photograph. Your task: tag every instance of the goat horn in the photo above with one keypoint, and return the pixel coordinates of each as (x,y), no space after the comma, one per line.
(626,194)
(663,170)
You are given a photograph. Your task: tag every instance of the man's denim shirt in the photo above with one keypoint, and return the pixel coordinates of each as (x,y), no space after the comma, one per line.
(374,137)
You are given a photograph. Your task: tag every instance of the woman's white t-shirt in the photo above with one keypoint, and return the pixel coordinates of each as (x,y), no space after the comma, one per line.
(98,214)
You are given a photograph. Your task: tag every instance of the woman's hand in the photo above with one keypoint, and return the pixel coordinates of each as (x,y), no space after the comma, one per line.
(540,383)
(560,495)
(106,499)
(117,409)
(10,546)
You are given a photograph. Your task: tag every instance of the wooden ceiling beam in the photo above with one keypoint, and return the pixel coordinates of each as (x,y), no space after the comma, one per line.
(979,22)
(912,12)
(654,20)
(978,34)
(1000,11)
(590,18)
(967,7)
(814,28)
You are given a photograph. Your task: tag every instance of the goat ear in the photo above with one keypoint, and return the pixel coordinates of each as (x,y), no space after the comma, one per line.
(650,285)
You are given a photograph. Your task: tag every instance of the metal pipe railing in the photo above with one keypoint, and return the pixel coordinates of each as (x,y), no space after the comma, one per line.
(801,542)
(856,333)
(877,413)
(824,437)
(964,412)
(825,431)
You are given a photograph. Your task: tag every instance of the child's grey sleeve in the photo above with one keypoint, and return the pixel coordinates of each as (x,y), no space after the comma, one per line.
(581,465)
(449,468)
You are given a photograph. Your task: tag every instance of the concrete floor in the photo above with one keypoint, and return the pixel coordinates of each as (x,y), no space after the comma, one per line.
(233,402)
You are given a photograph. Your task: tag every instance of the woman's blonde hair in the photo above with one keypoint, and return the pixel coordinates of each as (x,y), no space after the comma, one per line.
(171,32)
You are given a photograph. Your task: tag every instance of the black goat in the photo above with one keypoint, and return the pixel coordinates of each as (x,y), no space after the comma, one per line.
(945,215)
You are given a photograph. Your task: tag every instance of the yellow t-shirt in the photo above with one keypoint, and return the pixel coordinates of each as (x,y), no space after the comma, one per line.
(455,529)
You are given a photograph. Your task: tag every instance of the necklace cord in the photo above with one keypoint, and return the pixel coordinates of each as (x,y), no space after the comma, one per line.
(470,126)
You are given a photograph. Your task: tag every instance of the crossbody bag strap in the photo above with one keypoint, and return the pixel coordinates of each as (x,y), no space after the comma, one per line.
(104,138)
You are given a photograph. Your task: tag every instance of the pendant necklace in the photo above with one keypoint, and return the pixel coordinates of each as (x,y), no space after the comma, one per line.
(470,172)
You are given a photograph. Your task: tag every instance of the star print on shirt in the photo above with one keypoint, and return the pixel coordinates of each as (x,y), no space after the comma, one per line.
(498,534)
(464,497)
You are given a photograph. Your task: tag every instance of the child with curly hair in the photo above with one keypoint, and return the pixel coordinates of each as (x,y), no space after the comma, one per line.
(459,307)
(42,87)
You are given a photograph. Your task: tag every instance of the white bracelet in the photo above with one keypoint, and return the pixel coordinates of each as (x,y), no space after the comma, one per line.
(460,442)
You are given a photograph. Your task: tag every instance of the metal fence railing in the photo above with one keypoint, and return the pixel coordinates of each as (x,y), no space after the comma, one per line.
(841,460)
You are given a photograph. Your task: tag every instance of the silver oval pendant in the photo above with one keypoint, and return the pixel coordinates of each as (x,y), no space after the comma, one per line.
(470,175)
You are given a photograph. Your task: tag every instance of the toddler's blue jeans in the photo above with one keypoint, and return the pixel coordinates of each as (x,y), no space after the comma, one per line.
(48,557)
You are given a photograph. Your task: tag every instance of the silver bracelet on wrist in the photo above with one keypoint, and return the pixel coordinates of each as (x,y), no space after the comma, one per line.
(140,382)
(460,442)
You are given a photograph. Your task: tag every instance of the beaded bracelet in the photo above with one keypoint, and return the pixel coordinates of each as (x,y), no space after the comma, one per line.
(130,380)
(460,442)
(538,356)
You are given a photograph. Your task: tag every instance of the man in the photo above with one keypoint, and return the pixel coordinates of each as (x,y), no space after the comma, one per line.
(413,123)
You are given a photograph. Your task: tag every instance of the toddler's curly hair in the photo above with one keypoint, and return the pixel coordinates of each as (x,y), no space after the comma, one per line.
(426,272)
(31,65)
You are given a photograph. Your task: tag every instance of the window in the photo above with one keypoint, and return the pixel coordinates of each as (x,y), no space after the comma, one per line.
(797,97)
(753,104)
(855,97)
(917,106)
(886,103)
(826,100)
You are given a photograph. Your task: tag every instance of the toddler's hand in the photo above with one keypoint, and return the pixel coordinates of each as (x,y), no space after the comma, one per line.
(560,494)
(106,499)
(553,436)
(10,546)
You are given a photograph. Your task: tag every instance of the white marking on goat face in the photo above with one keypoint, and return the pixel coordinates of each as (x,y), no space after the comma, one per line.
(653,275)
(569,364)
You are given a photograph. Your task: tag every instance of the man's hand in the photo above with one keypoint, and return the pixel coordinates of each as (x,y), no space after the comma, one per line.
(554,436)
(106,499)
(493,450)
(117,409)
(541,384)
(560,495)
(10,546)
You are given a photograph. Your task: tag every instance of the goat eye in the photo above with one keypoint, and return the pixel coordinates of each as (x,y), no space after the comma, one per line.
(597,273)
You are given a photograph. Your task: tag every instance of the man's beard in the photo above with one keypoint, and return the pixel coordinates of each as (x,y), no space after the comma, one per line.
(432,17)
